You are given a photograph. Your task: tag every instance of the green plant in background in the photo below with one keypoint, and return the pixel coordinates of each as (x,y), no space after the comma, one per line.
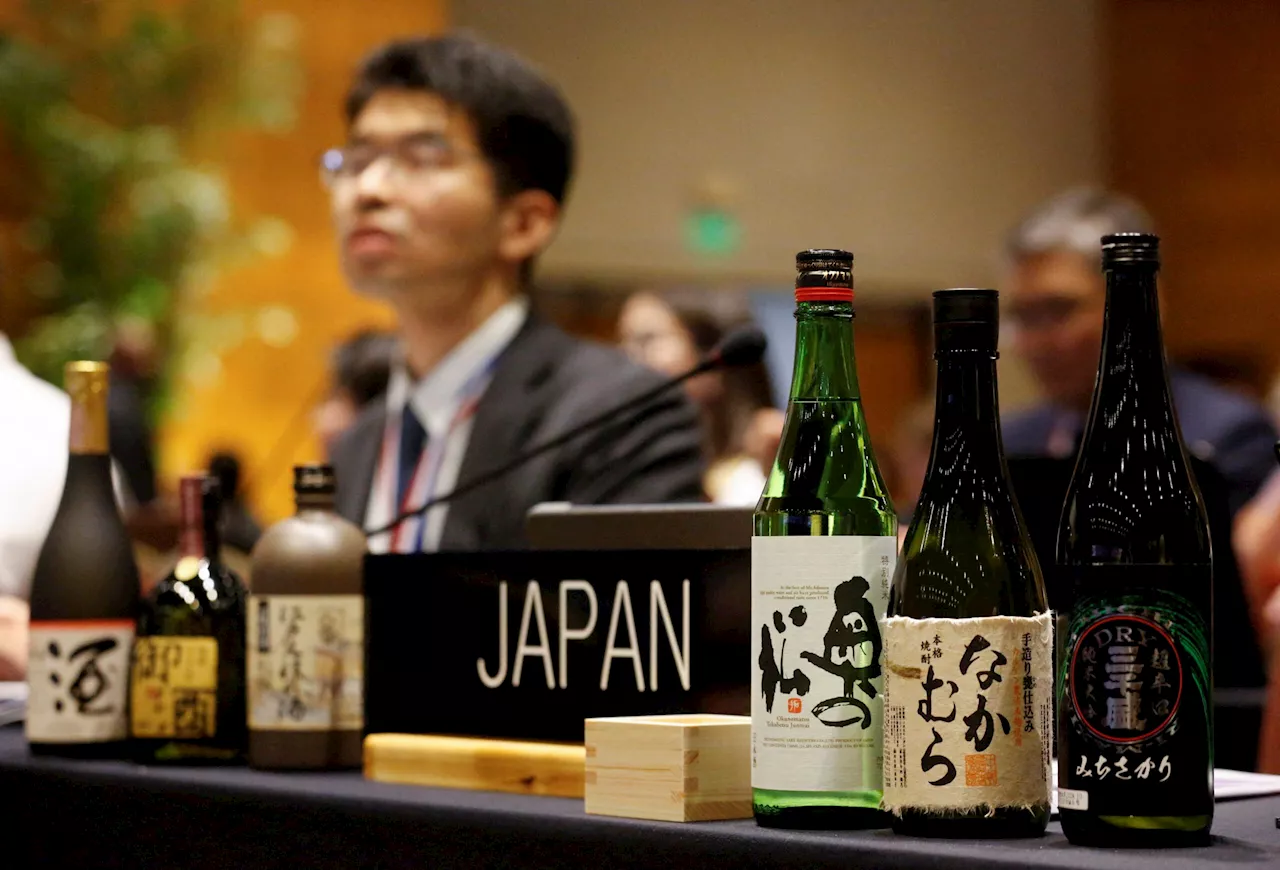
(104,107)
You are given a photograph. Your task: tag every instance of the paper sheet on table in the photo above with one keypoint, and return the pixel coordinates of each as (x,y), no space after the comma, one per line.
(1227,785)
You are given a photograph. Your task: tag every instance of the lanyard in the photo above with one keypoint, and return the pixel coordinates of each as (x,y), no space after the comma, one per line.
(408,537)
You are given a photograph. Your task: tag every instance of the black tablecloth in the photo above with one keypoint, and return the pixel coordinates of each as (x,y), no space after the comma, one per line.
(57,813)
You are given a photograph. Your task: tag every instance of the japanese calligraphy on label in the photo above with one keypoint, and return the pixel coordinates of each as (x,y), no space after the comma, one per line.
(78,673)
(815,677)
(1126,679)
(968,712)
(306,662)
(1136,705)
(174,687)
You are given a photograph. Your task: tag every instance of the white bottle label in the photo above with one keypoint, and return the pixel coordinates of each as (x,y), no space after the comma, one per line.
(305,662)
(816,686)
(1073,799)
(968,712)
(78,679)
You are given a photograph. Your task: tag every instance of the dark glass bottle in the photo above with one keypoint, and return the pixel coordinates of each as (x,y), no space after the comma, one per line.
(84,596)
(188,680)
(823,550)
(968,570)
(1135,758)
(306,635)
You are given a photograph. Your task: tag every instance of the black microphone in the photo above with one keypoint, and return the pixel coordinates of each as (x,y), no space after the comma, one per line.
(742,347)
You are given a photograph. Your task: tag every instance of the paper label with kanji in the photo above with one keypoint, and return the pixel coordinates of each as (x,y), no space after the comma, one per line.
(815,675)
(174,687)
(306,662)
(968,712)
(78,676)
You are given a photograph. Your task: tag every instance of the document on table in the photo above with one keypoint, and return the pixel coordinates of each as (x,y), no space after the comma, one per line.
(1227,785)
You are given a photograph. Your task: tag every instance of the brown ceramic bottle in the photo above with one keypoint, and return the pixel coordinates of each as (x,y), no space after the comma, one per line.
(306,635)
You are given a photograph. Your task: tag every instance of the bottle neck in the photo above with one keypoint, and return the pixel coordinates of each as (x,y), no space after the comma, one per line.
(1132,341)
(191,540)
(212,535)
(88,435)
(967,411)
(312,501)
(825,366)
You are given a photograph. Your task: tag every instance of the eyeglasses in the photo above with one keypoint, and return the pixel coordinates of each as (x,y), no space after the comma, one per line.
(411,157)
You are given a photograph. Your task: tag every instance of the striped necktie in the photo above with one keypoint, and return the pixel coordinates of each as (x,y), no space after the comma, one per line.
(413,438)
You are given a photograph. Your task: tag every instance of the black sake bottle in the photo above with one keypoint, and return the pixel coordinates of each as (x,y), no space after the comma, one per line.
(1135,756)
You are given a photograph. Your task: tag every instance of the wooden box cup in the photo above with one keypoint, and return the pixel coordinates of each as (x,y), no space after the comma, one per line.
(682,768)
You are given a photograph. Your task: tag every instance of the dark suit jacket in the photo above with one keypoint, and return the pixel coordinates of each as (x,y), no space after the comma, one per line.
(546,383)
(1219,426)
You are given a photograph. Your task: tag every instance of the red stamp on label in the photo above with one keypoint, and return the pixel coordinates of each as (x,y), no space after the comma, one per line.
(793,705)
(979,770)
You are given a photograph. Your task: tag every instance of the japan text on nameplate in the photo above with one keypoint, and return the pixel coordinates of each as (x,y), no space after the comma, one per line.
(529,644)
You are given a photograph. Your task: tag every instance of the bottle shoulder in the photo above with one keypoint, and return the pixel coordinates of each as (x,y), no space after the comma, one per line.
(806,515)
(199,588)
(314,552)
(957,565)
(1123,510)
(311,533)
(86,539)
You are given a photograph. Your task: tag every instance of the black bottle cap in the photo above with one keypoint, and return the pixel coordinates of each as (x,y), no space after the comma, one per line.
(966,319)
(313,479)
(1129,248)
(824,275)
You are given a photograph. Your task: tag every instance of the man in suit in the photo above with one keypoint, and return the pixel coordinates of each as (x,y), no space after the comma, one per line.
(451,183)
(1054,298)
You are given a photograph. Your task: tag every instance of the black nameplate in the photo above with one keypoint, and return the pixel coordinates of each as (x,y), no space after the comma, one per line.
(505,644)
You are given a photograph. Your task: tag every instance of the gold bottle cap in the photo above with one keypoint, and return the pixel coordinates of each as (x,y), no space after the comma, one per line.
(86,384)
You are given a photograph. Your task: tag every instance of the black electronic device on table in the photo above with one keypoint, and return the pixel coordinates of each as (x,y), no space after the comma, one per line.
(562,526)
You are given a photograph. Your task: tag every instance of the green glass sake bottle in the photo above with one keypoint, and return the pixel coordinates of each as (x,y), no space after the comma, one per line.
(822,555)
(1135,732)
(969,639)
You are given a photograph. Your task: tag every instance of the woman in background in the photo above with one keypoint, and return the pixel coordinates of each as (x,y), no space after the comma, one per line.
(670,333)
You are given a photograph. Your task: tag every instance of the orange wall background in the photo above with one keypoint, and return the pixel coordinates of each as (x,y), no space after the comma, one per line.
(1192,93)
(255,398)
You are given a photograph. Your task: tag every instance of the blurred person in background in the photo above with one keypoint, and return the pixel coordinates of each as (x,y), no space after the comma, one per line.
(151,515)
(240,530)
(134,363)
(359,370)
(670,333)
(33,465)
(451,183)
(1257,544)
(909,459)
(1054,296)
